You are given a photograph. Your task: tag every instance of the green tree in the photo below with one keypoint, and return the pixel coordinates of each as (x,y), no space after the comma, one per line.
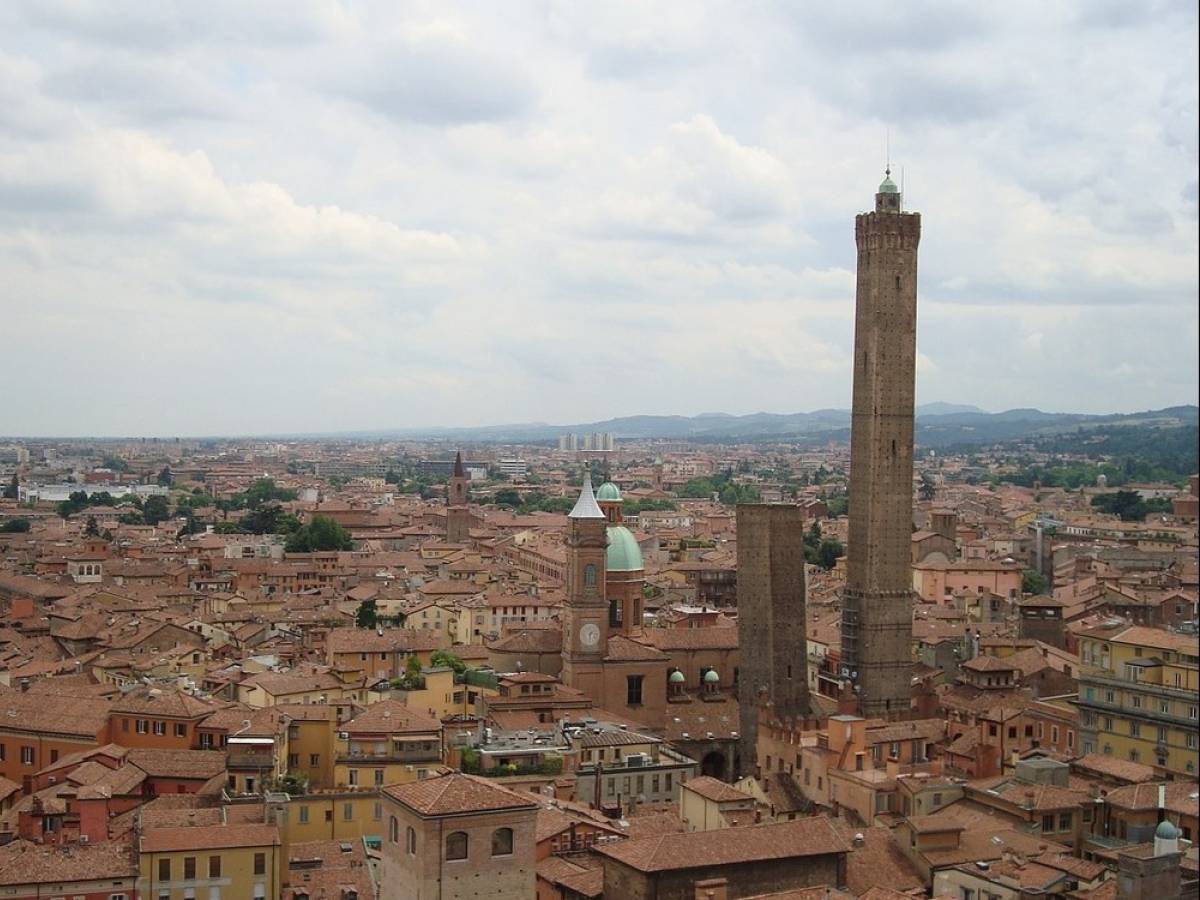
(830,551)
(91,529)
(65,510)
(1034,582)
(838,505)
(392,477)
(928,489)
(13,490)
(367,614)
(507,497)
(262,520)
(261,491)
(322,533)
(440,658)
(15,526)
(1129,505)
(165,478)
(115,463)
(155,509)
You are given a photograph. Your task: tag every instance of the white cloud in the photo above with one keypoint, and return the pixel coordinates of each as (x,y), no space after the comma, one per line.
(370,216)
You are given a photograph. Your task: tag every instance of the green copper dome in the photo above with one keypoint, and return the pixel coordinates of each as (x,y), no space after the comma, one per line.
(608,491)
(677,677)
(1166,831)
(887,186)
(711,677)
(623,554)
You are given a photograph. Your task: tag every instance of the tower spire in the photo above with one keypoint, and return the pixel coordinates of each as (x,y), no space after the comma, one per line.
(586,506)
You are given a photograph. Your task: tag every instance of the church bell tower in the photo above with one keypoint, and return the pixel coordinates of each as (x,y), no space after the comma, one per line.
(458,515)
(585,614)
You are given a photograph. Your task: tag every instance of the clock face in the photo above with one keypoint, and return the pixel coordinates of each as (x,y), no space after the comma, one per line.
(589,634)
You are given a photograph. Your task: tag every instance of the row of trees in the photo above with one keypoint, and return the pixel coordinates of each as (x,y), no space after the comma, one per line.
(723,485)
(1130,505)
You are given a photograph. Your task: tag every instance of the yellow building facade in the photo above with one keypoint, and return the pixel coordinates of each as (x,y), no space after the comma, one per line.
(215,862)
(1138,696)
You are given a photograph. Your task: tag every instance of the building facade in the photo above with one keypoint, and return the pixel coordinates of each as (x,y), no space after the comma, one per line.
(1138,696)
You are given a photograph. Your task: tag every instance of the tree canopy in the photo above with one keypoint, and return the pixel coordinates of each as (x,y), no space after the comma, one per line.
(322,533)
(728,492)
(1129,505)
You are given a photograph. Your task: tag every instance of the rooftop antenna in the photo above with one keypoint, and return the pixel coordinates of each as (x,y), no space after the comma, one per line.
(887,150)
(902,187)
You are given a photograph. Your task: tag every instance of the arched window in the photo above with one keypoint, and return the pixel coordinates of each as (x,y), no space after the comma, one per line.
(411,838)
(614,613)
(394,830)
(456,845)
(589,575)
(502,842)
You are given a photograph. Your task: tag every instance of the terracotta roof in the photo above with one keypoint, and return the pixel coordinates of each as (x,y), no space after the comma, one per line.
(535,640)
(693,721)
(294,682)
(988,664)
(1120,769)
(168,839)
(326,869)
(1157,638)
(712,638)
(1045,797)
(1080,868)
(169,703)
(456,793)
(622,649)
(171,763)
(8,787)
(30,712)
(364,640)
(782,840)
(879,859)
(391,717)
(1179,796)
(715,790)
(22,862)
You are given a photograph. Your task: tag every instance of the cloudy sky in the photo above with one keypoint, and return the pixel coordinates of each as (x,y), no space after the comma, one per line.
(231,217)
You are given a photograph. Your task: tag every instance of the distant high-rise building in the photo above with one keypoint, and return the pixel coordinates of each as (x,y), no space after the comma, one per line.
(597,441)
(771,620)
(877,600)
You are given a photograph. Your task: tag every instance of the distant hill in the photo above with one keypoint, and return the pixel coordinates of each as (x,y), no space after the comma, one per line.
(937,425)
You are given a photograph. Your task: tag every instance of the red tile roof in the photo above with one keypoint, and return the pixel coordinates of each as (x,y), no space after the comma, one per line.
(456,793)
(166,840)
(696,849)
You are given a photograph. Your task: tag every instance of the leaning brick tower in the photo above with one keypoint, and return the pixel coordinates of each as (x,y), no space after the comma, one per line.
(877,600)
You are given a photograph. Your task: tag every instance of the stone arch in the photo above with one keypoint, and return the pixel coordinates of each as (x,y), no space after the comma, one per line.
(714,764)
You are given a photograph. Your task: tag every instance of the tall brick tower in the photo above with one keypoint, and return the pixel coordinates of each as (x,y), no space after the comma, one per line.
(585,613)
(458,514)
(771,620)
(877,600)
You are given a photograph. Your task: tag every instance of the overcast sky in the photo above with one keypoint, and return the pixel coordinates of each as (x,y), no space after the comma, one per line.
(232,217)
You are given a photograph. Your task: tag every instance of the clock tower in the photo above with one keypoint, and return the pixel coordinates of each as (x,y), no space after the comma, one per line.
(585,614)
